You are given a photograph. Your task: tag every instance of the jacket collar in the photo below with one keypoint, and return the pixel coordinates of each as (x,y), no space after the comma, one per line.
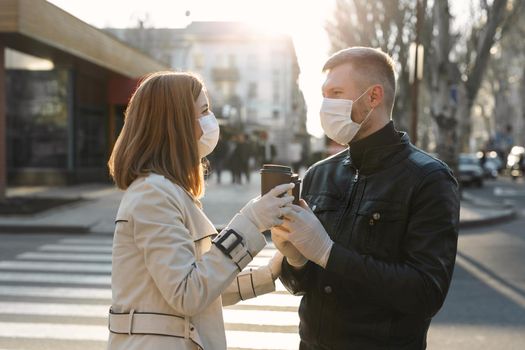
(382,157)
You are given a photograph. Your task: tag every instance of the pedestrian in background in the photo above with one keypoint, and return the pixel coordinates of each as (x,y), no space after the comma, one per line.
(169,267)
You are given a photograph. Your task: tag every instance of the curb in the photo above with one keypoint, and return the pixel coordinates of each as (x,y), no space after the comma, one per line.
(507,215)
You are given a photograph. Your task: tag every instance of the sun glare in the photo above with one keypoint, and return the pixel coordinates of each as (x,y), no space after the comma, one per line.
(303,20)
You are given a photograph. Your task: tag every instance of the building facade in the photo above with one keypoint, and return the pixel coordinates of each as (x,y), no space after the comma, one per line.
(63,88)
(251,76)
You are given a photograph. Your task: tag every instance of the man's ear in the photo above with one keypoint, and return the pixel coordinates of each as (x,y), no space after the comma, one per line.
(377,94)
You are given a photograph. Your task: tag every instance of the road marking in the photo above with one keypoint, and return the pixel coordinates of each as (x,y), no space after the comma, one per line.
(54,278)
(56,292)
(52,309)
(259,317)
(74,248)
(53,331)
(260,340)
(273,300)
(267,322)
(103,241)
(236,339)
(490,281)
(65,257)
(270,318)
(55,266)
(508,192)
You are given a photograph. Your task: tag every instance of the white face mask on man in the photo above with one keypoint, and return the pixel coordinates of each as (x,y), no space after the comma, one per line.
(336,119)
(210,134)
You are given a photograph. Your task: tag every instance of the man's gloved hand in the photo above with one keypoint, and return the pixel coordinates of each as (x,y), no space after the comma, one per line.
(267,211)
(275,264)
(308,234)
(280,239)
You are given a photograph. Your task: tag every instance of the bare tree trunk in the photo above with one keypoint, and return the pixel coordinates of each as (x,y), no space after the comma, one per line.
(443,108)
(476,74)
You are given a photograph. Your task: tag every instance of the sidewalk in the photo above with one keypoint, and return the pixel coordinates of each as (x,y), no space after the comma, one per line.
(96,214)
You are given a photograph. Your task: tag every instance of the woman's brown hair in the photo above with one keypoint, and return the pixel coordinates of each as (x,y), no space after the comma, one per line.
(159,133)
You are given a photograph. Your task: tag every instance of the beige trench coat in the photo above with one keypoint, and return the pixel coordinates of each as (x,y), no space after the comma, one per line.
(164,263)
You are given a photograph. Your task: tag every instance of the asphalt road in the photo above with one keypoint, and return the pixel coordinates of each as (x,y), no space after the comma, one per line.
(54,292)
(485,307)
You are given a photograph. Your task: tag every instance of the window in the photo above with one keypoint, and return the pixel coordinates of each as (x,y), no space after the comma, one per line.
(37,118)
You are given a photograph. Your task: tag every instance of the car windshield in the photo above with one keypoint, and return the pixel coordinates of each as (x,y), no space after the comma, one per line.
(469,160)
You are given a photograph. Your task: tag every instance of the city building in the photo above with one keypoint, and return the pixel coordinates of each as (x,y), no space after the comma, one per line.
(63,88)
(251,76)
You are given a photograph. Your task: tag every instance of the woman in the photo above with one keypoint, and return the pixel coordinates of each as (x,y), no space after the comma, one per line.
(169,271)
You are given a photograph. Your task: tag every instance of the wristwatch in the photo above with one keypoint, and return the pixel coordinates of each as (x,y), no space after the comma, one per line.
(231,244)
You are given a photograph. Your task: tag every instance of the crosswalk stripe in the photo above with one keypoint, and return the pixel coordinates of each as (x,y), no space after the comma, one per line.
(53,331)
(237,339)
(267,341)
(55,266)
(56,292)
(65,256)
(102,241)
(75,248)
(266,322)
(54,278)
(273,318)
(273,300)
(50,309)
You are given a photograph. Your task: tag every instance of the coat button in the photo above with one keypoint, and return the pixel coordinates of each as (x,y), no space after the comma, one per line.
(371,222)
(376,216)
(328,289)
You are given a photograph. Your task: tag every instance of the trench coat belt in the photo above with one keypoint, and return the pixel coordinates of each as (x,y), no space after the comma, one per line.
(144,323)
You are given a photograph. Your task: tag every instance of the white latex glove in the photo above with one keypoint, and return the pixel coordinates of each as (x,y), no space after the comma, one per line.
(275,264)
(308,234)
(267,211)
(280,239)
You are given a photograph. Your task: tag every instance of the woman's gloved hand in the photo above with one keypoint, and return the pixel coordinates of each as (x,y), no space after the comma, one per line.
(275,264)
(267,211)
(280,239)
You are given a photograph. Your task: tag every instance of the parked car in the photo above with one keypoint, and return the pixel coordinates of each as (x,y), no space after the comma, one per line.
(491,163)
(470,170)
(516,162)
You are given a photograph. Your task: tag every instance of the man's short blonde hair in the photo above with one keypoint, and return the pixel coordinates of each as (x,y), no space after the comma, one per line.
(377,67)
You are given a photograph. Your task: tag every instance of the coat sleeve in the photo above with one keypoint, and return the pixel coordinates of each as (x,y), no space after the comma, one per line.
(187,284)
(418,285)
(248,284)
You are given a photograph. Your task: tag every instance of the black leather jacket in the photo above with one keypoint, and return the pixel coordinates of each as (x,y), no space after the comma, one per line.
(394,223)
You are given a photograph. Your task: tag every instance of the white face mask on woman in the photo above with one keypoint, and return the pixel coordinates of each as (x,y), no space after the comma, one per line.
(210,134)
(336,119)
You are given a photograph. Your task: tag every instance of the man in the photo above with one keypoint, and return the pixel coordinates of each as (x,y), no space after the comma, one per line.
(372,248)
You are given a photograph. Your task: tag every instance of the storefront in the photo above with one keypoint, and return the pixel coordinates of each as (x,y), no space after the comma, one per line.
(63,89)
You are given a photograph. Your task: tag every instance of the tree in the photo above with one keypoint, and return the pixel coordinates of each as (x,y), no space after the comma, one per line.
(457,63)
(386,24)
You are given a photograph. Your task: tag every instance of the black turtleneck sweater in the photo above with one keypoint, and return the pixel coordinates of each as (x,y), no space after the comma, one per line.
(384,137)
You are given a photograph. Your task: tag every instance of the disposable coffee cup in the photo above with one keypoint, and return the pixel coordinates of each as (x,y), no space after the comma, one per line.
(273,175)
(296,191)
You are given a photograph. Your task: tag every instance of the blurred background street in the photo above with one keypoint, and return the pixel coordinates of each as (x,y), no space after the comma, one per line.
(69,67)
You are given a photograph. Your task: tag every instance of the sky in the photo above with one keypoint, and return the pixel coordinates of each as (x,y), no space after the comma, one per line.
(303,20)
